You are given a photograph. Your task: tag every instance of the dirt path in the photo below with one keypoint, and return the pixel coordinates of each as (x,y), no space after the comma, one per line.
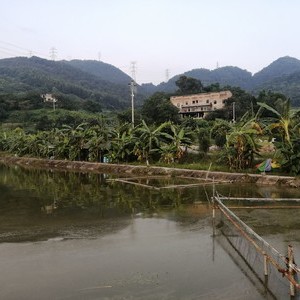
(79,166)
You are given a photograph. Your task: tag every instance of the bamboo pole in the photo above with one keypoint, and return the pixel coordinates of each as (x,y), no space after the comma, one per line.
(230,215)
(265,263)
(265,206)
(290,269)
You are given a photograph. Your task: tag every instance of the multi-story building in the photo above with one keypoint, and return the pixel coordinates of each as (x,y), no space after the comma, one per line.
(198,105)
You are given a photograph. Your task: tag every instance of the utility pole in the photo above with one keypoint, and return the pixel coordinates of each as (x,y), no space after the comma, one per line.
(132,85)
(53,53)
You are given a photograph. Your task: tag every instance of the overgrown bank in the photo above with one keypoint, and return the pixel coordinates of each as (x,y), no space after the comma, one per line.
(132,170)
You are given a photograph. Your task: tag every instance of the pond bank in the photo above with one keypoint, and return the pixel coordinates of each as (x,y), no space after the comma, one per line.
(80,166)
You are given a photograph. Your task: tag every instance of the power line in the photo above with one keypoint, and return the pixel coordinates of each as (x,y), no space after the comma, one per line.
(16,50)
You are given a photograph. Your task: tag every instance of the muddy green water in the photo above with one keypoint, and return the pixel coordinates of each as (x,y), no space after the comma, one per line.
(81,236)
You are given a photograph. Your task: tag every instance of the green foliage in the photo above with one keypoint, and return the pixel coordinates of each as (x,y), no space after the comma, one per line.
(158,109)
(274,100)
(39,76)
(285,126)
(203,139)
(241,145)
(188,85)
(243,103)
(219,132)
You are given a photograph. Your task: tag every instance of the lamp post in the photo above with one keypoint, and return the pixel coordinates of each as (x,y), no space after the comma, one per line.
(132,88)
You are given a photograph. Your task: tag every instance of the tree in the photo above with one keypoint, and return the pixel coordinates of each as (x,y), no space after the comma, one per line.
(176,142)
(147,140)
(242,101)
(188,85)
(219,132)
(241,143)
(158,109)
(275,100)
(122,144)
(285,126)
(203,139)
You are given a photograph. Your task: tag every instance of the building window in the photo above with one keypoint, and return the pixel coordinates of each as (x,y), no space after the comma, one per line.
(207,101)
(186,103)
(193,102)
(215,102)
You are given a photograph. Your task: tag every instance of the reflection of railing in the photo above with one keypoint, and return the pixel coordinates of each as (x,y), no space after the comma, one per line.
(269,260)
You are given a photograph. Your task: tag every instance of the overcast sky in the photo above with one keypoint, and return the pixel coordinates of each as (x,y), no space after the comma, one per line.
(159,35)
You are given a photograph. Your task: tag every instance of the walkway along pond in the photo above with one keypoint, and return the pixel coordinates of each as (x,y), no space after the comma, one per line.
(80,166)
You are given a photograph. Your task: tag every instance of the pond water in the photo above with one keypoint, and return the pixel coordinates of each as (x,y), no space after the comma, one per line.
(83,236)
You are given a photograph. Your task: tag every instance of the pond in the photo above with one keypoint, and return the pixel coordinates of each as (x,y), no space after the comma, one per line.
(85,236)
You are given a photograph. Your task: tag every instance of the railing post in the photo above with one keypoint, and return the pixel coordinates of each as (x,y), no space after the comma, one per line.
(290,269)
(265,264)
(214,216)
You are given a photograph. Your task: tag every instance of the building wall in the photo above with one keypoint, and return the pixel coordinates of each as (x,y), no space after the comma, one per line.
(197,105)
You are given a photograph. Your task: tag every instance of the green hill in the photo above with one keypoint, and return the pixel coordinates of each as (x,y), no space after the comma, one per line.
(69,81)
(282,75)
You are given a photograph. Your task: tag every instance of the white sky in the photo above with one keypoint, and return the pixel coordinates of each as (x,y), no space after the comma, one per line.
(178,35)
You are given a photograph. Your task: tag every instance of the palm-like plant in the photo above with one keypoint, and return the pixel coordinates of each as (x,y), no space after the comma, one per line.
(147,140)
(122,143)
(75,139)
(287,125)
(176,142)
(283,121)
(241,145)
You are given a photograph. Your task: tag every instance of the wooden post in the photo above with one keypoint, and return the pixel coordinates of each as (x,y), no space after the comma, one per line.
(290,269)
(265,264)
(214,218)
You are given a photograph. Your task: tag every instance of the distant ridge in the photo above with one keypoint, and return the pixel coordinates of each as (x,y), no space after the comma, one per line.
(84,80)
(282,75)
(108,85)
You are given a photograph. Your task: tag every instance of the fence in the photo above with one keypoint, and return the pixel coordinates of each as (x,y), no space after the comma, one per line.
(278,272)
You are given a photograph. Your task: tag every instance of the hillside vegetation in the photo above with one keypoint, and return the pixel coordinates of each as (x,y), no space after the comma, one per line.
(73,83)
(281,76)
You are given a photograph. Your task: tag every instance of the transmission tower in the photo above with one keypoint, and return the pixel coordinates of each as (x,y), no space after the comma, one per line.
(53,53)
(167,75)
(133,70)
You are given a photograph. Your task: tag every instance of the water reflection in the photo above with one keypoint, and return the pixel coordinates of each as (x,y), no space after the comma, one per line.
(39,204)
(96,239)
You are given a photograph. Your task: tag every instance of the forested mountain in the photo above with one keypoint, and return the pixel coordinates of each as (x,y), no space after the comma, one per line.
(102,70)
(282,75)
(232,76)
(79,82)
(281,67)
(67,80)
